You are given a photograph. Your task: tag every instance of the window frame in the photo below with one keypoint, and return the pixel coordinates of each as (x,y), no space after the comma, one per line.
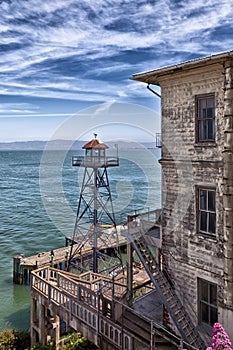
(206,210)
(200,120)
(207,303)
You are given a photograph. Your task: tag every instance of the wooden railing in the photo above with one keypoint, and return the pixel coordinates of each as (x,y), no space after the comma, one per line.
(92,308)
(82,303)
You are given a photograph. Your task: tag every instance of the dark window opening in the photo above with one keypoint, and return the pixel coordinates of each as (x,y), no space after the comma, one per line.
(207,302)
(206,118)
(207,212)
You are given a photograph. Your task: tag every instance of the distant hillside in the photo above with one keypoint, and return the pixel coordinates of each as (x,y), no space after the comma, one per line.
(39,145)
(64,144)
(26,145)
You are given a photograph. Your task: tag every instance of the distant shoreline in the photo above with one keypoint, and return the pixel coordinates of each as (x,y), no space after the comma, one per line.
(58,145)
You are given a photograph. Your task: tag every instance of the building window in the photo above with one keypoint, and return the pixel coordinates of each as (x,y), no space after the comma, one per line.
(206,118)
(207,302)
(207,211)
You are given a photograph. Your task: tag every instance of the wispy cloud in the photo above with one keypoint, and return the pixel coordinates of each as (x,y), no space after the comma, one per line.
(87,50)
(16,108)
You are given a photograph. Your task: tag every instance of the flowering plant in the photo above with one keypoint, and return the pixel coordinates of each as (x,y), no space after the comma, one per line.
(220,339)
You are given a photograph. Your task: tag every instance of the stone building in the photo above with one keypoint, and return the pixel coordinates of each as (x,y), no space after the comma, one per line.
(197,184)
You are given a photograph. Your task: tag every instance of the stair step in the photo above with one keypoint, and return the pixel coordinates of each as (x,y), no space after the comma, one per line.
(169,299)
(195,340)
(155,273)
(179,314)
(174,305)
(188,335)
(185,326)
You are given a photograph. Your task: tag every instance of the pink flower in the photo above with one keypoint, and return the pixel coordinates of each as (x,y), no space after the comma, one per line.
(220,339)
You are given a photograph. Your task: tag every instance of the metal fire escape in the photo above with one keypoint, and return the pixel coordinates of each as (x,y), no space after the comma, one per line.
(167,294)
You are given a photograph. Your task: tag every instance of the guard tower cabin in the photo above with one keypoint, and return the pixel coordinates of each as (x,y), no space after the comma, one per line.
(95,156)
(197,184)
(95,208)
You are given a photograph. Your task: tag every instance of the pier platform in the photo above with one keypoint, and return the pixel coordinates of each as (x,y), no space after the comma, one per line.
(147,223)
(58,258)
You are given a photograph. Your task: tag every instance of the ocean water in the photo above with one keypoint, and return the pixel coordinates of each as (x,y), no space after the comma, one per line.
(38,202)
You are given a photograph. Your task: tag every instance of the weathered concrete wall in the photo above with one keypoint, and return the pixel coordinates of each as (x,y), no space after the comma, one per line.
(228,186)
(178,113)
(187,165)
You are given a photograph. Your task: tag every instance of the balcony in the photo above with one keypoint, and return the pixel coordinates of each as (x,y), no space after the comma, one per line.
(147,224)
(95,162)
(158,141)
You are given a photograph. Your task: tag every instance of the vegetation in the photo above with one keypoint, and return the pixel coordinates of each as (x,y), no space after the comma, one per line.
(20,340)
(220,339)
(7,340)
(75,341)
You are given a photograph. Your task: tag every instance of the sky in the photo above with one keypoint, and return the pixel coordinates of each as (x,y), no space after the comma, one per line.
(61,59)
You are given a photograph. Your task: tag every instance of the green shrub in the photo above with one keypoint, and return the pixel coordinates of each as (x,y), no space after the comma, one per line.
(7,340)
(39,346)
(22,340)
(75,341)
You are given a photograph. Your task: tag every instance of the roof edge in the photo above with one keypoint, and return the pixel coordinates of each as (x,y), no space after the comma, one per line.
(144,76)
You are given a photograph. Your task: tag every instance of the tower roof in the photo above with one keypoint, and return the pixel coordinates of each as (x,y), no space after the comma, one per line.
(95,143)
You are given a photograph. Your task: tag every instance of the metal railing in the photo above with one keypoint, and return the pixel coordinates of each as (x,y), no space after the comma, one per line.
(92,161)
(158,140)
(140,224)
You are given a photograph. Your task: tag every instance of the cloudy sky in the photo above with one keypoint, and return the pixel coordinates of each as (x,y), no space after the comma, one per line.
(62,57)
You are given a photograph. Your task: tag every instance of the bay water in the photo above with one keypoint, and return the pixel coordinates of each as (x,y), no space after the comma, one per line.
(28,214)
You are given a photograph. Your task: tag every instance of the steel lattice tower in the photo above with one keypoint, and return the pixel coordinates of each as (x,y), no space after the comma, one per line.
(95,221)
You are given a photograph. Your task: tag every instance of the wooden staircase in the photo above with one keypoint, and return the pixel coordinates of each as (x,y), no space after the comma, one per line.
(168,296)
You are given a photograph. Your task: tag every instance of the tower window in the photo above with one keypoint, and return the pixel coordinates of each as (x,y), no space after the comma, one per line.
(206,118)
(207,302)
(207,211)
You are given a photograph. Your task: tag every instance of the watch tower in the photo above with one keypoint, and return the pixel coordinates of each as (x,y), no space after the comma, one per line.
(95,221)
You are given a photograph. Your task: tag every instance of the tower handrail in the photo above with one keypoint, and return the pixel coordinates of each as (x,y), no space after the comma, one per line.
(90,160)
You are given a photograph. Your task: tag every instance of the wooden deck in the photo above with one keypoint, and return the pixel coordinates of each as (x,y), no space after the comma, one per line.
(94,305)
(59,257)
(138,224)
(56,256)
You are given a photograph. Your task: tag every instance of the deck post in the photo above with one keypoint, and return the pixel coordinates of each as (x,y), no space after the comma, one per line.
(129,265)
(57,331)
(33,321)
(18,273)
(42,328)
(151,335)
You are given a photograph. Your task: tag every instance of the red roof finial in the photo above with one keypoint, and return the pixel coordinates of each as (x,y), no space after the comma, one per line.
(95,143)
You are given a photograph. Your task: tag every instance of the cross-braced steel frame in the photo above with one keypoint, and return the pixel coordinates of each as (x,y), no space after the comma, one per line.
(95,221)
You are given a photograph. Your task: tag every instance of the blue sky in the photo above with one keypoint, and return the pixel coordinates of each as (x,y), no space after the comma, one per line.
(59,58)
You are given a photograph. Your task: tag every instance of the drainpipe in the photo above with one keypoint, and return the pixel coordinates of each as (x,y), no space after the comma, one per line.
(154,92)
(228,185)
